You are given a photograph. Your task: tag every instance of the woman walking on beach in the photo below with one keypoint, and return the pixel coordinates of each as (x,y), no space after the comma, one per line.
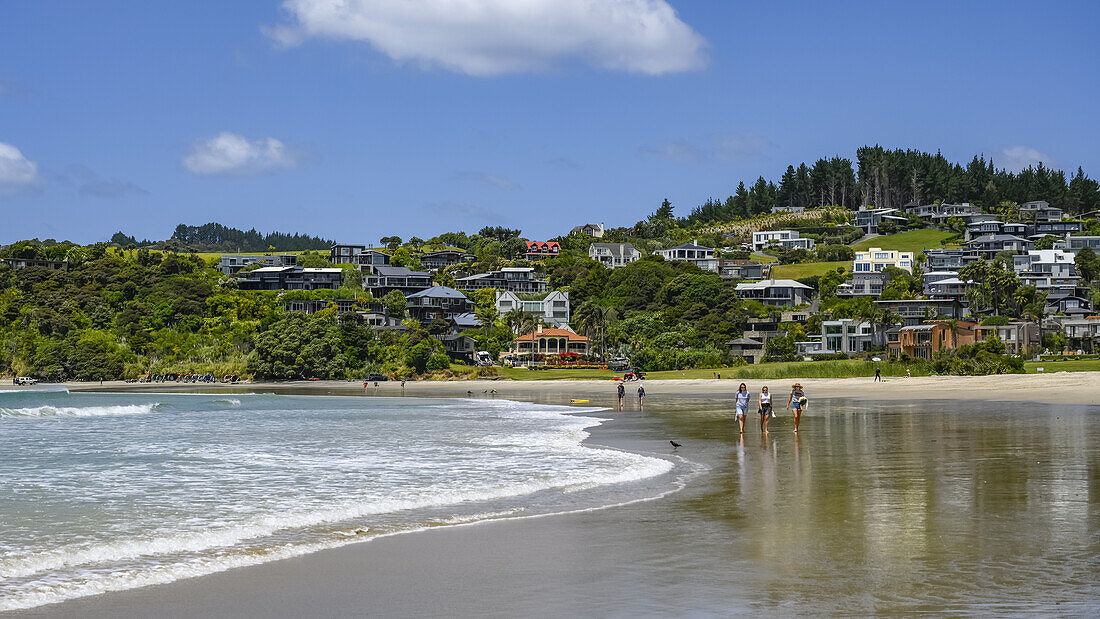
(765,409)
(796,403)
(742,401)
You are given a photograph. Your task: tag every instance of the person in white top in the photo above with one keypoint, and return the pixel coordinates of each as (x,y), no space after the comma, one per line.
(742,401)
(765,409)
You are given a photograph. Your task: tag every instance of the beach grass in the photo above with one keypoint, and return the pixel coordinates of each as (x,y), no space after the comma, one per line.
(1050,367)
(806,269)
(913,240)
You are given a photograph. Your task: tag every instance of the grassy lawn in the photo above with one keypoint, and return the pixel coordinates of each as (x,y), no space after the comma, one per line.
(807,269)
(763,259)
(216,256)
(1049,367)
(913,240)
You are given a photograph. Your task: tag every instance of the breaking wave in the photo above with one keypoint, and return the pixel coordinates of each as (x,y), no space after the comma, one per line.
(78,411)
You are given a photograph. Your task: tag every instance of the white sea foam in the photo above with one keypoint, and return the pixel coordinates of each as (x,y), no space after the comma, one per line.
(528,450)
(79,411)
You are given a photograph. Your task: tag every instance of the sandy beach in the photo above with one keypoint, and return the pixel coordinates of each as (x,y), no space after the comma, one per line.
(870,509)
(1060,388)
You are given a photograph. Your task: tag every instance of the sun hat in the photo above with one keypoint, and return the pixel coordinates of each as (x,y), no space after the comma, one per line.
(796,386)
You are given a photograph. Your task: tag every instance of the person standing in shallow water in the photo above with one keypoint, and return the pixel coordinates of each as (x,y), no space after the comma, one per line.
(796,403)
(878,375)
(641,396)
(742,404)
(765,409)
(622,394)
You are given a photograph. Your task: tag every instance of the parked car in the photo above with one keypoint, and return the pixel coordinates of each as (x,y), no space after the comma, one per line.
(376,377)
(26,380)
(618,364)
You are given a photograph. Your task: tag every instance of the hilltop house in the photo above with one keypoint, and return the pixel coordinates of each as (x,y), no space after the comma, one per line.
(512,279)
(1040,210)
(942,212)
(702,257)
(1057,228)
(784,238)
(592,230)
(742,269)
(945,284)
(613,255)
(551,307)
(23,263)
(290,278)
(863,284)
(1067,303)
(1046,269)
(777,292)
(231,264)
(870,218)
(374,313)
(875,259)
(435,260)
(381,280)
(1074,244)
(537,250)
(358,255)
(548,341)
(916,311)
(990,245)
(949,259)
(437,302)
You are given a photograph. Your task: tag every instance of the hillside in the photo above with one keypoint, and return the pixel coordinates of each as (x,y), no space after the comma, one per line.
(913,240)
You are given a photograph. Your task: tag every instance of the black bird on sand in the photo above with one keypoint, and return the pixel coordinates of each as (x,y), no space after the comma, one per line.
(675,444)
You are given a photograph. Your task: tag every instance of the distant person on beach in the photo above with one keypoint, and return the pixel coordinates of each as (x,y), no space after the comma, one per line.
(622,394)
(765,408)
(796,403)
(878,375)
(641,395)
(907,374)
(742,402)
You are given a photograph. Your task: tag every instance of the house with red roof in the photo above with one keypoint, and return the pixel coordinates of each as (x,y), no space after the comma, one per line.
(549,341)
(537,250)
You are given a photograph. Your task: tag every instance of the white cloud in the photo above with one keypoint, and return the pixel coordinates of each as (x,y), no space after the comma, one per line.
(229,153)
(1016,158)
(727,148)
(16,171)
(489,179)
(490,37)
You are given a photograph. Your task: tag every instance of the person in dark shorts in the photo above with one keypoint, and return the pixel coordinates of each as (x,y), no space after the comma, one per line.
(878,375)
(641,395)
(766,413)
(622,394)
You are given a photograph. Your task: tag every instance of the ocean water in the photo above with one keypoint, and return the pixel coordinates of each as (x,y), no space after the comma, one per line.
(105,492)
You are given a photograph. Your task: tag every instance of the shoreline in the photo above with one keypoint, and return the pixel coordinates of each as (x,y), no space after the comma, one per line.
(429,572)
(1057,388)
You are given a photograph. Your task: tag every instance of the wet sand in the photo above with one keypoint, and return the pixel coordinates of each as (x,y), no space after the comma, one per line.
(887,505)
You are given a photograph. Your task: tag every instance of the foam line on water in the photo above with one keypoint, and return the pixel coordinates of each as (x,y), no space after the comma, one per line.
(48,410)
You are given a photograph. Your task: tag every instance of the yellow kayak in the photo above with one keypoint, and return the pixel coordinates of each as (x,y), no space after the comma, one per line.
(576,401)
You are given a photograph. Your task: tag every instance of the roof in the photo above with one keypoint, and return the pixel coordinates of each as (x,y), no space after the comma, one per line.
(440,292)
(388,271)
(538,244)
(320,270)
(466,319)
(689,246)
(744,341)
(919,327)
(573,337)
(517,269)
(771,283)
(992,238)
(273,269)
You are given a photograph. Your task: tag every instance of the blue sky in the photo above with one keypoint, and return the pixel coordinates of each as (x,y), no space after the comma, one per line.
(412,117)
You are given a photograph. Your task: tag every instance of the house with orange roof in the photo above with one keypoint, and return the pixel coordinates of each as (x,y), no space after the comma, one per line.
(537,250)
(549,341)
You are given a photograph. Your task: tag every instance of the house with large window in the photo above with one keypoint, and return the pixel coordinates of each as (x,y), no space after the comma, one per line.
(742,269)
(1046,269)
(848,336)
(945,284)
(290,278)
(592,230)
(1074,244)
(231,264)
(1040,210)
(702,257)
(990,245)
(923,341)
(435,260)
(917,311)
(949,259)
(863,284)
(870,218)
(551,307)
(1082,334)
(783,238)
(614,255)
(381,280)
(437,303)
(1020,337)
(876,259)
(537,250)
(549,341)
(512,279)
(777,292)
(359,255)
(1057,228)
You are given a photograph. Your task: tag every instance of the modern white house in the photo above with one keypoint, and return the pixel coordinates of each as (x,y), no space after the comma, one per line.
(870,218)
(876,259)
(786,238)
(1074,244)
(702,257)
(231,264)
(1046,269)
(848,336)
(613,255)
(551,307)
(778,292)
